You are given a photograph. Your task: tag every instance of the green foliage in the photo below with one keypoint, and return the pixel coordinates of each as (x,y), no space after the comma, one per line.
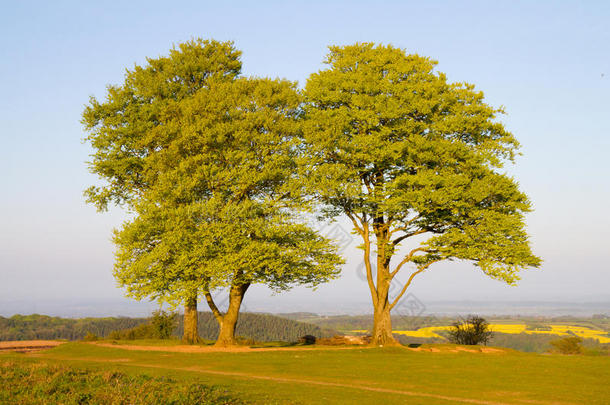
(42,383)
(407,155)
(30,327)
(163,323)
(134,122)
(160,326)
(90,337)
(208,167)
(473,330)
(259,327)
(568,345)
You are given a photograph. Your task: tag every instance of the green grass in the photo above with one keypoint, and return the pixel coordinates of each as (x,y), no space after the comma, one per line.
(323,376)
(43,383)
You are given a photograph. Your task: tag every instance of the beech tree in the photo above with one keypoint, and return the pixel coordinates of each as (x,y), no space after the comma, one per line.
(222,212)
(414,162)
(136,121)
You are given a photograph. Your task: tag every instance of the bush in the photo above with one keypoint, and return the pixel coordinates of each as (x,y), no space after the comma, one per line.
(160,326)
(90,337)
(163,324)
(473,330)
(568,345)
(307,340)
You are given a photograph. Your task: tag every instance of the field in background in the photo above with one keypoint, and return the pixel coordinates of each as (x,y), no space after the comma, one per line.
(530,334)
(436,374)
(524,333)
(558,330)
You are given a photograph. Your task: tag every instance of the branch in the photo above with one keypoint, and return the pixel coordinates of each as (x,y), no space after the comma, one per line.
(408,235)
(366,183)
(356,226)
(405,227)
(406,259)
(408,283)
(217,314)
(367,263)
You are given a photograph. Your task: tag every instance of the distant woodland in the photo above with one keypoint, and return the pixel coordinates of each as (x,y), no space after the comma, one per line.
(287,328)
(259,327)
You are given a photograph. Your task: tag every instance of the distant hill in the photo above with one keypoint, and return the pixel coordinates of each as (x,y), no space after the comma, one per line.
(260,327)
(28,327)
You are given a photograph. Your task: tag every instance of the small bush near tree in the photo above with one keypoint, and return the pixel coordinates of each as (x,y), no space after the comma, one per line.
(473,330)
(568,345)
(90,337)
(160,326)
(164,323)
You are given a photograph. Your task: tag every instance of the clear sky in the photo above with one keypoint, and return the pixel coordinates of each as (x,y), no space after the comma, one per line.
(548,63)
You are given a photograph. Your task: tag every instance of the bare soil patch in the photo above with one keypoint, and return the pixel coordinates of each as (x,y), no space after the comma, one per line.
(28,345)
(214,349)
(457,349)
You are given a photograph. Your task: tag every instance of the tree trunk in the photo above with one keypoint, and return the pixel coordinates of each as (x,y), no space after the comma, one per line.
(382,327)
(191,333)
(382,321)
(226,337)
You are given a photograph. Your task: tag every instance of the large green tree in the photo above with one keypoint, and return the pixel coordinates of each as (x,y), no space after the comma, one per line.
(414,162)
(222,212)
(137,120)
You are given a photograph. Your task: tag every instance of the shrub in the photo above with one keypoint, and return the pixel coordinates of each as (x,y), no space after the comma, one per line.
(568,345)
(307,340)
(160,326)
(163,324)
(90,337)
(473,330)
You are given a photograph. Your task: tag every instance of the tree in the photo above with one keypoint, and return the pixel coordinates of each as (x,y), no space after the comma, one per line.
(220,210)
(134,123)
(473,330)
(568,345)
(163,324)
(411,158)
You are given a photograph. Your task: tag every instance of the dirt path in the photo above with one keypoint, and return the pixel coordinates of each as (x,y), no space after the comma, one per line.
(213,349)
(361,387)
(28,345)
(246,349)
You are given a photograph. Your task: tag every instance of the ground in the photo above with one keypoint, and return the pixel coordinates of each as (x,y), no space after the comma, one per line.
(438,374)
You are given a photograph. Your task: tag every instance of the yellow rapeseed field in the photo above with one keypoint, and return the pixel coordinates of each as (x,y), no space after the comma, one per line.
(561,330)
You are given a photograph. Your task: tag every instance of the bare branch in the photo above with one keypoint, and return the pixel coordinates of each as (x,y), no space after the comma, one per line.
(408,283)
(406,259)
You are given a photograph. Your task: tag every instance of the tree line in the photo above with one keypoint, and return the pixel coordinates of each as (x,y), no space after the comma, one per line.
(219,170)
(258,327)
(30,327)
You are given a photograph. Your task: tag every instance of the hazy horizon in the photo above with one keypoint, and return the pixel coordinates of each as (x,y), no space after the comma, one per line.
(545,62)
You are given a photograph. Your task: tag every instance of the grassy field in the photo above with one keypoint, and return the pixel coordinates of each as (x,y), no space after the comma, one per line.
(361,375)
(43,383)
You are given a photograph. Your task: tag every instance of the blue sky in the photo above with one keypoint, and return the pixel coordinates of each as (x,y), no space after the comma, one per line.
(548,63)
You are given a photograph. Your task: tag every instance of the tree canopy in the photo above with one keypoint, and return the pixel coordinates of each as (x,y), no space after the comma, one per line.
(133,124)
(413,159)
(210,175)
